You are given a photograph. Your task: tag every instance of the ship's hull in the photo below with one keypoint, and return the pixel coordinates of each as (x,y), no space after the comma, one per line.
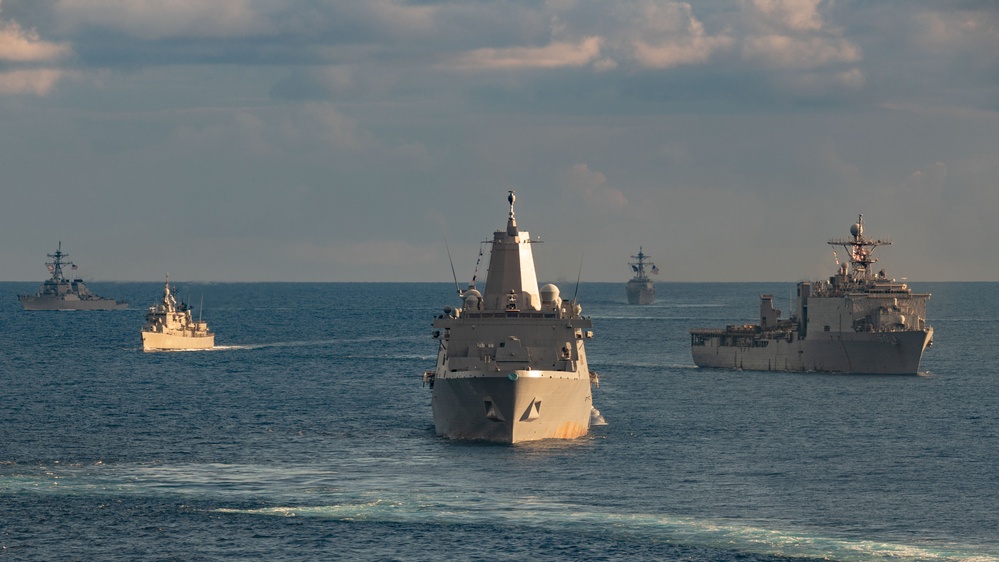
(641,292)
(34,302)
(514,407)
(155,341)
(853,352)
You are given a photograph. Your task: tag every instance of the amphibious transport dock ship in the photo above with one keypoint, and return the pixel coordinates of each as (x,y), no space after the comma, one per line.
(170,326)
(511,365)
(641,289)
(856,322)
(60,293)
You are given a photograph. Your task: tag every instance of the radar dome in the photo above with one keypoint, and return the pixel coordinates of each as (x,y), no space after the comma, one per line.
(549,293)
(472,299)
(550,298)
(857,229)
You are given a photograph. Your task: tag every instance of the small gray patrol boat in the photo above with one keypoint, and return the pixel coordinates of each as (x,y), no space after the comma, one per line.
(60,293)
(641,289)
(858,321)
(511,365)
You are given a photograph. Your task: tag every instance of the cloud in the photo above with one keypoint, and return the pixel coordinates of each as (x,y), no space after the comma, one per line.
(165,18)
(553,55)
(399,17)
(668,35)
(791,34)
(592,186)
(20,45)
(37,81)
(796,15)
(693,50)
(956,29)
(339,22)
(25,60)
(800,52)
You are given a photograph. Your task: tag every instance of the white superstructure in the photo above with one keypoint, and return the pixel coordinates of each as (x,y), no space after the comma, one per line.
(511,366)
(169,326)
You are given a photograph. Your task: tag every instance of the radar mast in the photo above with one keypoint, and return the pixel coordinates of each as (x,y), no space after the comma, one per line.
(55,266)
(859,248)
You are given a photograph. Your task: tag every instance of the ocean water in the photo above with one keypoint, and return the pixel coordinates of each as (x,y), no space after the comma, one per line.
(307,435)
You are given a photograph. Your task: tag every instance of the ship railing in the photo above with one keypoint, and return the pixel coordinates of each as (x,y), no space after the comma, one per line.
(707,331)
(512,314)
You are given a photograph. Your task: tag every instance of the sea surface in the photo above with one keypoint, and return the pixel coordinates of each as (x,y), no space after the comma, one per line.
(307,435)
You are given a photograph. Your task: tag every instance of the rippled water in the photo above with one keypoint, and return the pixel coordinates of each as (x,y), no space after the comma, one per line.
(307,435)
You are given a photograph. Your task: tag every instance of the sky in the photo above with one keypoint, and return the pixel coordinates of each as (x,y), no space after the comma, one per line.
(337,140)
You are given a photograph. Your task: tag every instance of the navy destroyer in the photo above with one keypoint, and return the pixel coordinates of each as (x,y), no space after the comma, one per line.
(641,289)
(511,365)
(858,321)
(60,293)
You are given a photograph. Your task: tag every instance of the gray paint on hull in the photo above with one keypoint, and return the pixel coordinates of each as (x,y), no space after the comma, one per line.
(866,353)
(641,292)
(31,302)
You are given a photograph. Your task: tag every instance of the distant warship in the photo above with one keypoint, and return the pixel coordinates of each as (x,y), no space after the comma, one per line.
(59,293)
(856,322)
(641,289)
(169,326)
(511,366)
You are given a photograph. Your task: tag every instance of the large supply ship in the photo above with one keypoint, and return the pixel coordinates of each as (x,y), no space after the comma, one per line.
(60,293)
(511,365)
(641,289)
(858,321)
(170,326)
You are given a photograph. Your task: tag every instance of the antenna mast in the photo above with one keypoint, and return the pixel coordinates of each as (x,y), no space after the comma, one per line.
(453,274)
(859,249)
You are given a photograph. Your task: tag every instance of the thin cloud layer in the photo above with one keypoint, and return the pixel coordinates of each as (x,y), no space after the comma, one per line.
(555,55)
(167,18)
(38,81)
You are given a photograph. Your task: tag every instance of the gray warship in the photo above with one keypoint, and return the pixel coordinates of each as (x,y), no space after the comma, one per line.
(511,365)
(60,293)
(858,321)
(641,289)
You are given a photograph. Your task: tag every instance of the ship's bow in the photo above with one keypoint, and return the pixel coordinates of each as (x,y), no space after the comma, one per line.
(512,407)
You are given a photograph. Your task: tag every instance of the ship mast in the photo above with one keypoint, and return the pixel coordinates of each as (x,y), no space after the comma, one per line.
(56,264)
(169,302)
(639,266)
(859,248)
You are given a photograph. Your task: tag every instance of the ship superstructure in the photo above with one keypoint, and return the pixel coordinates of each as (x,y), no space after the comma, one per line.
(170,326)
(61,293)
(640,288)
(511,364)
(858,321)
